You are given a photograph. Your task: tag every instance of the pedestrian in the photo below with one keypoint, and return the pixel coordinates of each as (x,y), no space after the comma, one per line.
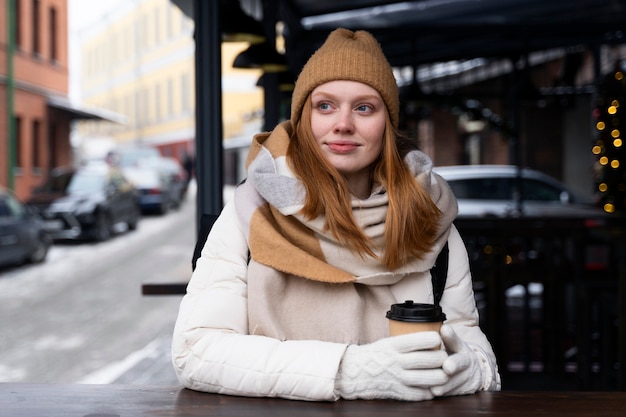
(188,164)
(338,219)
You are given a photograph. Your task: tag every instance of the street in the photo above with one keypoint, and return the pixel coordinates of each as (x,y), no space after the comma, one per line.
(80,316)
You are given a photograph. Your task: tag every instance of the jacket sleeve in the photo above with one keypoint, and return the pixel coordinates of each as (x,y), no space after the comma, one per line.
(211,348)
(459,304)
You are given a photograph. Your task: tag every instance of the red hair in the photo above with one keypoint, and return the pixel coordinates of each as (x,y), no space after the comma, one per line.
(412,220)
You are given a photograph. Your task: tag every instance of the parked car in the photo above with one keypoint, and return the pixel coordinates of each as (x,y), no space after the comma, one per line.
(134,155)
(155,190)
(22,234)
(490,190)
(159,180)
(86,202)
(178,177)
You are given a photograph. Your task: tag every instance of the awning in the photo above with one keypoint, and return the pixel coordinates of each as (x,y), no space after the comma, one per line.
(83,113)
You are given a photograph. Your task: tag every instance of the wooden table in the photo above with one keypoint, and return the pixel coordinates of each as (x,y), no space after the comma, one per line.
(58,400)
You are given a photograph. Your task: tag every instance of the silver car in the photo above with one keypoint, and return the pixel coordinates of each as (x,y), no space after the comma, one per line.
(506,191)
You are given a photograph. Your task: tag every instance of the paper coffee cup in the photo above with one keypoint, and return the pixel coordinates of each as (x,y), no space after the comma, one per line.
(410,317)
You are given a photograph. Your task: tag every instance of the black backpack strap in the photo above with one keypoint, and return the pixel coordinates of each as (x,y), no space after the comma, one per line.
(439,274)
(206,223)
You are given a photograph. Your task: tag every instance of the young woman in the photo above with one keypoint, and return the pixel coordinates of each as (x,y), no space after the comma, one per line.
(337,221)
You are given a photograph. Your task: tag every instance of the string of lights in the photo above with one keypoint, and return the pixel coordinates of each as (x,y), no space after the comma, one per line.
(610,122)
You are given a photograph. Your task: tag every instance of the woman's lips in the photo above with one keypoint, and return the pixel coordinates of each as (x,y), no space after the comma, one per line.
(342,147)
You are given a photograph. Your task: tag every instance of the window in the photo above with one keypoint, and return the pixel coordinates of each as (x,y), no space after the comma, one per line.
(128,106)
(18,141)
(137,33)
(37,145)
(54,139)
(53,35)
(36,27)
(182,22)
(168,21)
(145,33)
(170,97)
(185,86)
(157,102)
(145,108)
(157,26)
(137,114)
(127,45)
(18,25)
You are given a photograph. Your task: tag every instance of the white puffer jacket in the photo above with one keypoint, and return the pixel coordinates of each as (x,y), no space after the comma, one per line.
(213,351)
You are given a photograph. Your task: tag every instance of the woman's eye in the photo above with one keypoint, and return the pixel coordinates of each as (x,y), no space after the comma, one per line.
(364,108)
(323,106)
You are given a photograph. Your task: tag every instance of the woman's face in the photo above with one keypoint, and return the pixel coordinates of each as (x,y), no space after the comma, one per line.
(348,122)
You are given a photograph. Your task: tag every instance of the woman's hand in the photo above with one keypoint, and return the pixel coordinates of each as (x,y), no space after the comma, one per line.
(401,367)
(462,366)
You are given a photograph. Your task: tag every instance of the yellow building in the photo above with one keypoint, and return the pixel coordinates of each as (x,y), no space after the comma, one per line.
(138,61)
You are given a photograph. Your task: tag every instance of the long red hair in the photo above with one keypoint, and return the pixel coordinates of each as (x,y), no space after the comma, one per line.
(412,219)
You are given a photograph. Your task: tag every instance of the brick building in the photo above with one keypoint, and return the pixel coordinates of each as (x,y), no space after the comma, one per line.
(35,112)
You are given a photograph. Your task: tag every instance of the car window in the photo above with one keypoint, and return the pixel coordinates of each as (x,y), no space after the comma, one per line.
(534,190)
(57,183)
(5,211)
(503,189)
(86,183)
(135,157)
(9,207)
(144,177)
(482,188)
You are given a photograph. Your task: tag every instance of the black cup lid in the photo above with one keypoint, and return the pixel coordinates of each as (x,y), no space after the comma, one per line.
(416,312)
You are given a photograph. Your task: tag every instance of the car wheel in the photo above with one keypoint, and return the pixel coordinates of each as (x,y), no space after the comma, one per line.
(134,219)
(41,250)
(177,201)
(102,228)
(164,208)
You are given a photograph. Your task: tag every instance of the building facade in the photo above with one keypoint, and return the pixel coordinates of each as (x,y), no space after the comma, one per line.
(35,114)
(139,61)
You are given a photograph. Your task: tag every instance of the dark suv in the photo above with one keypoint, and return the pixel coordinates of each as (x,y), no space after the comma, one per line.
(22,236)
(86,203)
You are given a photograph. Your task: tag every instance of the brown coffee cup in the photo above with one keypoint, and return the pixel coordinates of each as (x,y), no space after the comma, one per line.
(410,317)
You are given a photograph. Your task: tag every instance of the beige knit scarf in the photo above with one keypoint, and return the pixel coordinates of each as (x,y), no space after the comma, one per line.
(280,238)
(285,247)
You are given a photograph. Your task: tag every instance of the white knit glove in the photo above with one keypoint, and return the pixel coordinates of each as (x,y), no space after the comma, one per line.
(401,367)
(462,366)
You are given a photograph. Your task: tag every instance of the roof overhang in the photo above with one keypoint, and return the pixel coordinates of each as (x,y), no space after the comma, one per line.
(419,32)
(77,112)
(428,31)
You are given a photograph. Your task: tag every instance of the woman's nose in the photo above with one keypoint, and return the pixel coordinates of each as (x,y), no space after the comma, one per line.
(345,123)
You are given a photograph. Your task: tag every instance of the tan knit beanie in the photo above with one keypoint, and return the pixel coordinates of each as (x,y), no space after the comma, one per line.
(352,56)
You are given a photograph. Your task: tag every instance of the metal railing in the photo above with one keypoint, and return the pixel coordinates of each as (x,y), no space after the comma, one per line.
(552,297)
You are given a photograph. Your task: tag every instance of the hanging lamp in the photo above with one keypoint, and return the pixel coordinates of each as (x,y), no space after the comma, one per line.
(237,26)
(286,81)
(261,56)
